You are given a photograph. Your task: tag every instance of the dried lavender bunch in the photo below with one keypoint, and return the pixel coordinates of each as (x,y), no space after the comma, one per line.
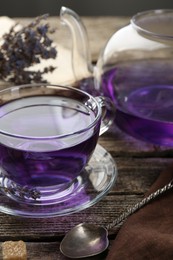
(23,48)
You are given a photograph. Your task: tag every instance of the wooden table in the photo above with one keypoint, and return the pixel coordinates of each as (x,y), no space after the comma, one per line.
(138,163)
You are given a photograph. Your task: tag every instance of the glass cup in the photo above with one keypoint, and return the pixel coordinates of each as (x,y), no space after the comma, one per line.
(48,134)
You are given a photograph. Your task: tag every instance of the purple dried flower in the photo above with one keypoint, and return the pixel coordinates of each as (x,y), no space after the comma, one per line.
(24,48)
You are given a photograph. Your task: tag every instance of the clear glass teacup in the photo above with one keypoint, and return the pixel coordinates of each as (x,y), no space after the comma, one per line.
(48,134)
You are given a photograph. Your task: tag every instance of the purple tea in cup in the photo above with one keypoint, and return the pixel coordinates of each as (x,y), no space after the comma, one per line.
(47,135)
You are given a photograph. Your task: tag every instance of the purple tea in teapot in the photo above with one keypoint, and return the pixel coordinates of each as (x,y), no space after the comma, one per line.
(144,112)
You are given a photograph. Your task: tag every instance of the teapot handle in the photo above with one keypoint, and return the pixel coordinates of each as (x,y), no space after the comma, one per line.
(81,57)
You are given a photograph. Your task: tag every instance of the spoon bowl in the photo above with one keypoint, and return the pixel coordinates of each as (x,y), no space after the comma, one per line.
(84,240)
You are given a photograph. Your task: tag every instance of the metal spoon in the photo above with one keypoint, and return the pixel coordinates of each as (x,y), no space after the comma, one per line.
(86,240)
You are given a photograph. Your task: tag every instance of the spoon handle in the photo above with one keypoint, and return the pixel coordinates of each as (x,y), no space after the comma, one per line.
(139,205)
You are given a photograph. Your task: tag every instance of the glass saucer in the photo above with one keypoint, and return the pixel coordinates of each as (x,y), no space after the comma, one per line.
(91,186)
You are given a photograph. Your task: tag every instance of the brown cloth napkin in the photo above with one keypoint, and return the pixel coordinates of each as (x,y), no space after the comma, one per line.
(148,233)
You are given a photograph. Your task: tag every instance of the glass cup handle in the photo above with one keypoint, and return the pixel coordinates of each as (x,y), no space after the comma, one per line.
(108,113)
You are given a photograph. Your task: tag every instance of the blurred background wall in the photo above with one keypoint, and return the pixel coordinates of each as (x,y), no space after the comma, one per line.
(32,8)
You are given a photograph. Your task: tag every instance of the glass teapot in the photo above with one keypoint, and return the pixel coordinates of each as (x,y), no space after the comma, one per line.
(135,69)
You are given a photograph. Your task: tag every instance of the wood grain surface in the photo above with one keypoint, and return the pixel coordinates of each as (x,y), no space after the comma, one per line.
(138,164)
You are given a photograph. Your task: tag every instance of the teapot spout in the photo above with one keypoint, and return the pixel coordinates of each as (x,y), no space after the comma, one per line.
(81,57)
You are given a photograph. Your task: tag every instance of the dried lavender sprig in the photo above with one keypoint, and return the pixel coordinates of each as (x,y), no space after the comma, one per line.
(22,192)
(25,47)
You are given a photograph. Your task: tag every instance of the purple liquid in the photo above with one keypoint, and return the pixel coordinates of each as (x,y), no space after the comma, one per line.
(44,163)
(143,95)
